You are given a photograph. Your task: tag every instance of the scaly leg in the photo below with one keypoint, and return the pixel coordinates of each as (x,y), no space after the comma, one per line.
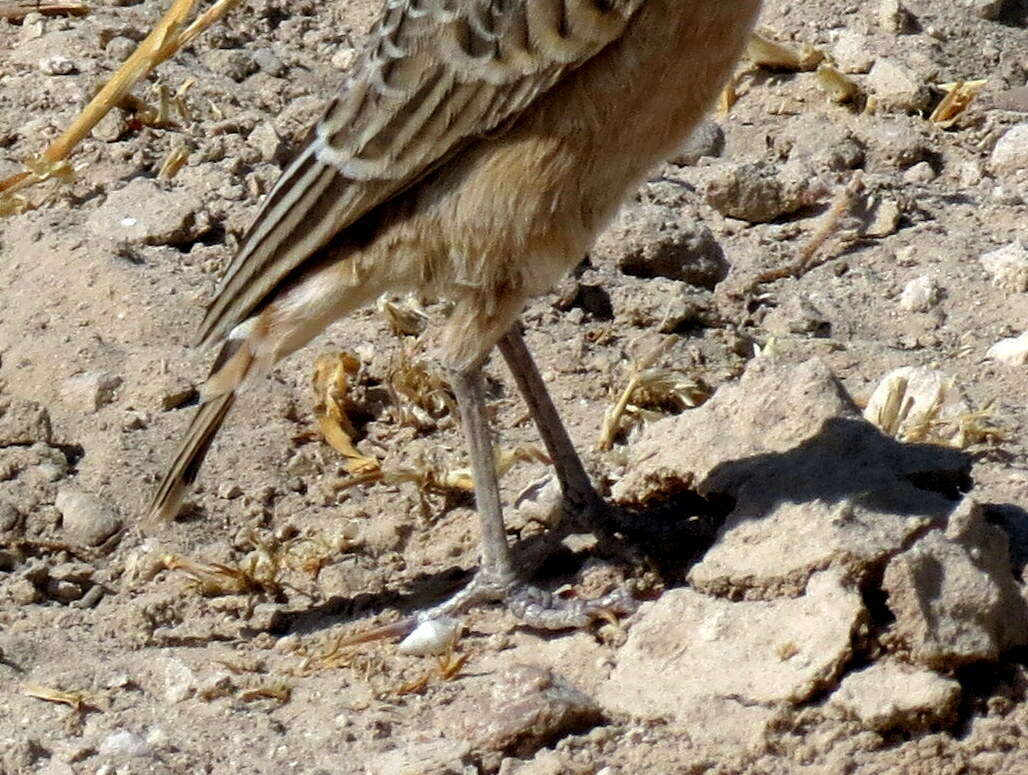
(496,578)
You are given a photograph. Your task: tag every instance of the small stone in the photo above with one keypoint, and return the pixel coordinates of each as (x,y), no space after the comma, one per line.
(22,591)
(883,219)
(266,140)
(146,212)
(853,52)
(124,743)
(112,127)
(64,591)
(268,62)
(1011,151)
(1013,350)
(10,517)
(234,63)
(897,87)
(90,391)
(888,695)
(650,240)
(23,423)
(343,58)
(921,172)
(86,520)
(1008,267)
(75,572)
(119,48)
(920,294)
(706,140)
(229,491)
(798,315)
(532,708)
(179,681)
(57,65)
(758,193)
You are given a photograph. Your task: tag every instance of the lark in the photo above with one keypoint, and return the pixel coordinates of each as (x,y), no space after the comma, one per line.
(473,154)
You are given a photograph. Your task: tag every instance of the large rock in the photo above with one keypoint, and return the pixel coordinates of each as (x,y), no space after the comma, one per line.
(954,596)
(721,666)
(814,485)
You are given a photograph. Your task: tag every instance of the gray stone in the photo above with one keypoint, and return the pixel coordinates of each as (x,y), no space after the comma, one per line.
(87,520)
(707,140)
(920,294)
(985,9)
(954,595)
(898,88)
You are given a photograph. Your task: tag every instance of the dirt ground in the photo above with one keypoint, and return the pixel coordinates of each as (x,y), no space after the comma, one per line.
(792,228)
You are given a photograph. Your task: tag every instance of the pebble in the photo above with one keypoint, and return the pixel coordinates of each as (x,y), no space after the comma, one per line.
(758,193)
(1008,267)
(921,172)
(57,65)
(920,294)
(124,743)
(86,519)
(707,140)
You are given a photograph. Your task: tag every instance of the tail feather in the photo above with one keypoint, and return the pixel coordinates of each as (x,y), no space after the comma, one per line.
(218,393)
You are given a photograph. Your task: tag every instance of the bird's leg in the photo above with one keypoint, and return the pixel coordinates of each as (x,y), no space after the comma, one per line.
(580,497)
(496,578)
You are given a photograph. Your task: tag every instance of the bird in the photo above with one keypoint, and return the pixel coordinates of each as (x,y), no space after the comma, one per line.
(473,153)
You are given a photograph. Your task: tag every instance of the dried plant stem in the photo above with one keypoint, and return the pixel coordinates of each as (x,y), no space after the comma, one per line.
(168,37)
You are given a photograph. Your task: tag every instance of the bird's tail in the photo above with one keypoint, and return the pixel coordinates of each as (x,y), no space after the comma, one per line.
(234,364)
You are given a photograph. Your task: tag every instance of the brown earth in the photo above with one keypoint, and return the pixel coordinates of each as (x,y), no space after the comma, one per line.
(822,597)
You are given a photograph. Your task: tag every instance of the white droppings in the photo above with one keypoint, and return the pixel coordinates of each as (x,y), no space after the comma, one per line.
(431,638)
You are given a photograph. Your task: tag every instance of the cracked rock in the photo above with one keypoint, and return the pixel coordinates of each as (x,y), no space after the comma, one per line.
(763,442)
(677,657)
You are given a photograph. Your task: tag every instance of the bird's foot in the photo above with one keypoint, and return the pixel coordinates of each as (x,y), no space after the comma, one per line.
(531,605)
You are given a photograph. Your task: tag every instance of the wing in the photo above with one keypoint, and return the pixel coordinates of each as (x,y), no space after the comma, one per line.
(434,75)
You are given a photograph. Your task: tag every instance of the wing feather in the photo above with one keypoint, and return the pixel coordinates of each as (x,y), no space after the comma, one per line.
(435,75)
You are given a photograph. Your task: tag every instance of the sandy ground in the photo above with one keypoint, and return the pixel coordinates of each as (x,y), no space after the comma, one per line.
(166,671)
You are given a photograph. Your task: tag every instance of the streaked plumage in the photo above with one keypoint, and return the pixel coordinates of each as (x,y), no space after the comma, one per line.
(475,152)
